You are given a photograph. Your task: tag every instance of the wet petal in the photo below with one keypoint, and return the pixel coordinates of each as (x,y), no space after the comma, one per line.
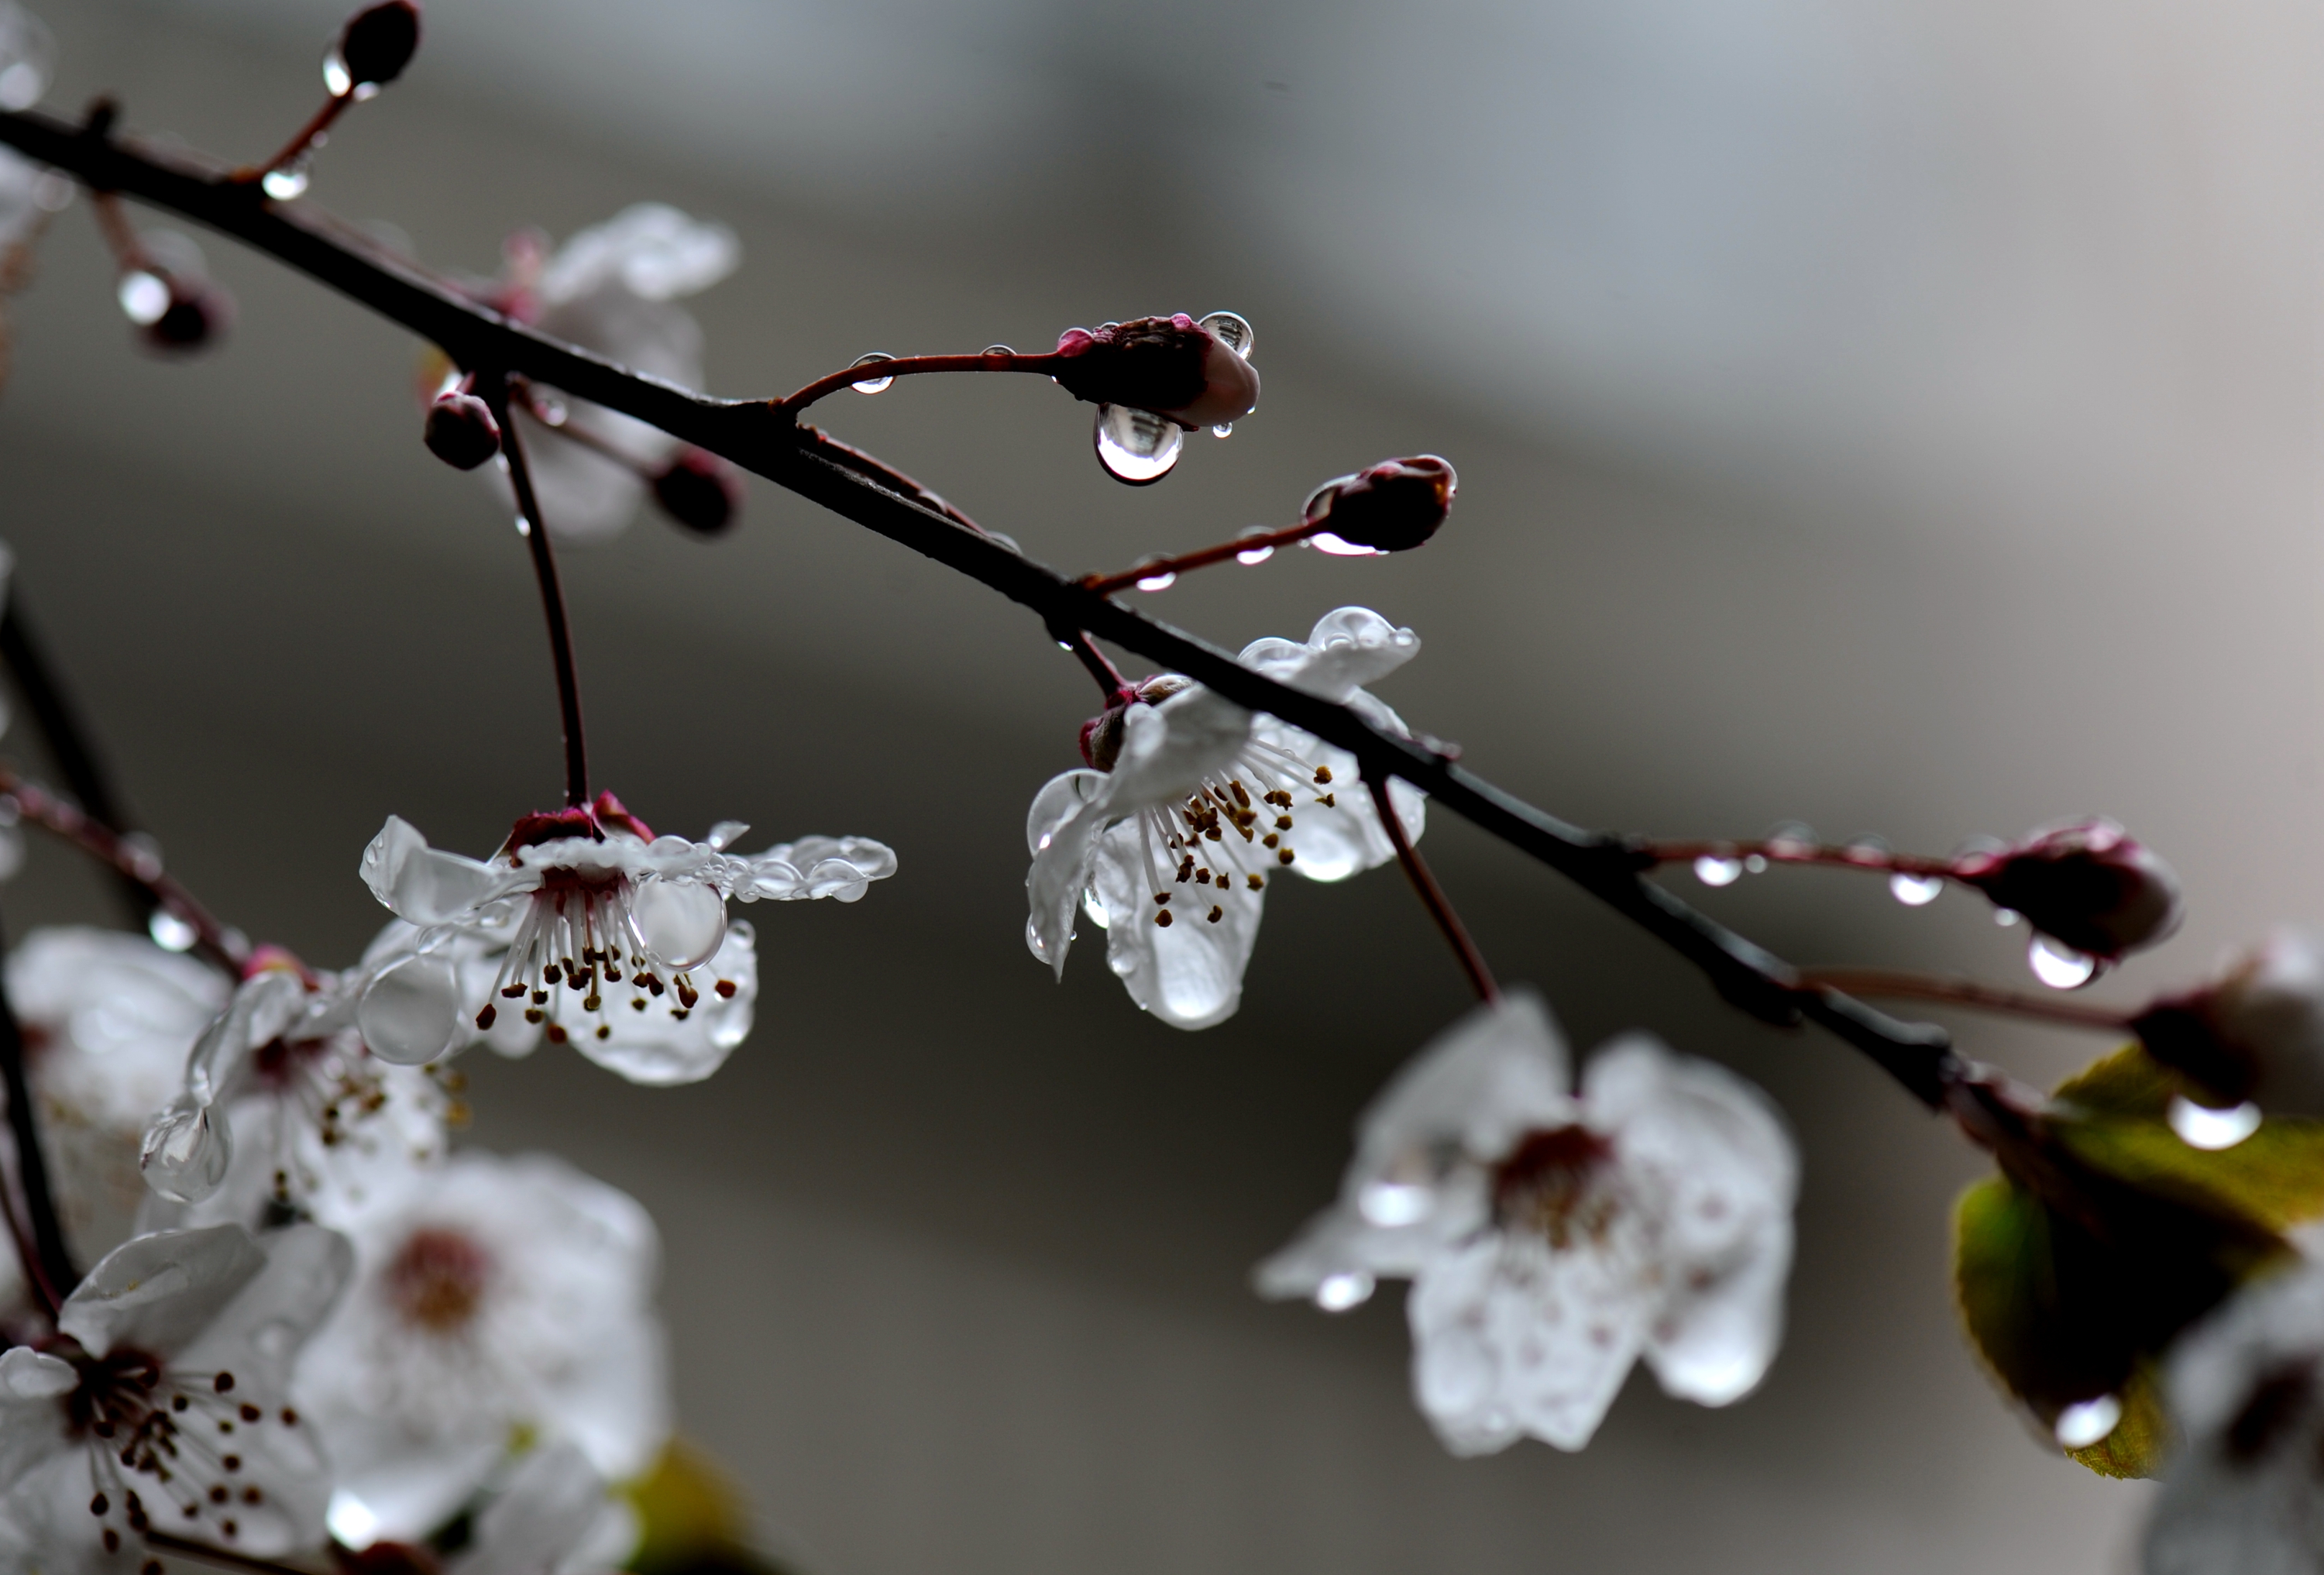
(422,884)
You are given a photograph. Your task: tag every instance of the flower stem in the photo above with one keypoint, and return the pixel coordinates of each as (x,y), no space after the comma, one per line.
(48,1265)
(1109,681)
(552,594)
(1107,584)
(1897,983)
(1783,851)
(1432,896)
(911,366)
(333,107)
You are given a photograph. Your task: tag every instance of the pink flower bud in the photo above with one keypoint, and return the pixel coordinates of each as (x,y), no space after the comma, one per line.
(196,316)
(2085,883)
(1173,366)
(378,42)
(1101,735)
(2254,1032)
(1392,507)
(700,492)
(460,430)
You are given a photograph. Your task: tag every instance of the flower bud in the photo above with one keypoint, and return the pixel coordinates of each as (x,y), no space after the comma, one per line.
(194,315)
(700,490)
(2254,1032)
(1101,735)
(1173,366)
(2085,883)
(461,431)
(1392,507)
(376,44)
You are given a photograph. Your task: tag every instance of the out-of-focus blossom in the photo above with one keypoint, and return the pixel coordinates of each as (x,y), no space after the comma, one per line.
(495,1300)
(164,1404)
(2086,883)
(596,932)
(1554,1239)
(2256,1032)
(1193,803)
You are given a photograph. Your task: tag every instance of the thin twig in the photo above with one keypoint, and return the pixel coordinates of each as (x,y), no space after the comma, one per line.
(50,1267)
(333,107)
(1900,985)
(552,594)
(761,436)
(1432,896)
(914,365)
(1109,681)
(1154,568)
(1784,850)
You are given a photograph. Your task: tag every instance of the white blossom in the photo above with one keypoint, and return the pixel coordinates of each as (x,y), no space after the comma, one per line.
(164,1406)
(612,289)
(1196,803)
(2246,1390)
(494,1300)
(581,913)
(1554,1238)
(2257,1030)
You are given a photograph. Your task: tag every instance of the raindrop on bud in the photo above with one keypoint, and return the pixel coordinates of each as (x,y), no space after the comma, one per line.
(1393,506)
(2202,1126)
(1714,870)
(378,42)
(460,430)
(1224,429)
(871,385)
(144,297)
(185,1153)
(2058,965)
(1135,447)
(411,1012)
(679,924)
(1915,890)
(1231,330)
(2088,882)
(698,491)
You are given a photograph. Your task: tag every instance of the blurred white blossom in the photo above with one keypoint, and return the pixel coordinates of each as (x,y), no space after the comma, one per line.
(1553,1240)
(1194,803)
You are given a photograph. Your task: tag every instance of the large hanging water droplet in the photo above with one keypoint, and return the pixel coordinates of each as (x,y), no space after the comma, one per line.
(170,932)
(1915,890)
(2202,1126)
(2081,1425)
(1714,870)
(1337,1293)
(144,297)
(1135,447)
(287,182)
(1224,429)
(1231,330)
(185,1153)
(410,1013)
(336,78)
(872,384)
(2059,967)
(680,924)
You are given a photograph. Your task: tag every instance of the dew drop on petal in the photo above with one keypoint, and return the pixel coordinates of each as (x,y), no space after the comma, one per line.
(287,182)
(145,296)
(170,932)
(1915,890)
(2059,967)
(1094,906)
(1713,870)
(1231,330)
(352,1520)
(411,1012)
(2202,1126)
(185,1152)
(681,923)
(1337,1293)
(871,384)
(2085,1423)
(2005,917)
(1137,447)
(1389,1205)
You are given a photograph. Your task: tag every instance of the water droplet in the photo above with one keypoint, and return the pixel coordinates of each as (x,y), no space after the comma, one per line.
(1713,870)
(2005,917)
(1791,840)
(550,409)
(1337,1293)
(170,932)
(1161,582)
(2059,966)
(999,350)
(20,84)
(1233,331)
(287,182)
(1754,865)
(410,1011)
(352,1522)
(1915,890)
(727,832)
(1867,850)
(1224,429)
(679,924)
(1389,1203)
(1094,906)
(185,1153)
(1137,447)
(144,296)
(872,384)
(1324,542)
(2202,1126)
(1256,555)
(336,78)
(2081,1425)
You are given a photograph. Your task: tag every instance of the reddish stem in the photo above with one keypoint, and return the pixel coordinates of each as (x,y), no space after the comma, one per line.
(1782,851)
(333,107)
(1107,584)
(552,594)
(912,366)
(120,235)
(1109,681)
(1432,896)
(1899,984)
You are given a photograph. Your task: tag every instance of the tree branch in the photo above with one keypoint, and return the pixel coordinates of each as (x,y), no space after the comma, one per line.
(761,436)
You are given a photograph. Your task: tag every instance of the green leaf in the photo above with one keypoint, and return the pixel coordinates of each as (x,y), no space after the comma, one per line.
(2138,1443)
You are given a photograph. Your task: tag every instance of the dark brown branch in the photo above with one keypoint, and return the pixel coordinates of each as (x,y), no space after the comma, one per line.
(761,436)
(49,1267)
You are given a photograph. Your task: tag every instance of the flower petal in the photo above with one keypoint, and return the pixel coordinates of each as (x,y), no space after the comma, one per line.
(1063,824)
(1188,973)
(1348,648)
(659,1051)
(157,1292)
(422,884)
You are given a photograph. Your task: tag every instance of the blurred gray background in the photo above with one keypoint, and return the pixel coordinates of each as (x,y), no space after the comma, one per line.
(1900,418)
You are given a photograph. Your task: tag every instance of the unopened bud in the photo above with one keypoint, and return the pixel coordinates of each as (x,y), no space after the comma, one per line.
(1101,735)
(2086,883)
(1173,366)
(2254,1032)
(194,315)
(377,43)
(700,490)
(461,431)
(1392,507)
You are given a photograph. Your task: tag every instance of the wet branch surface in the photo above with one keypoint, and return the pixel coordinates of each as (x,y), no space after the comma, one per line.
(761,436)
